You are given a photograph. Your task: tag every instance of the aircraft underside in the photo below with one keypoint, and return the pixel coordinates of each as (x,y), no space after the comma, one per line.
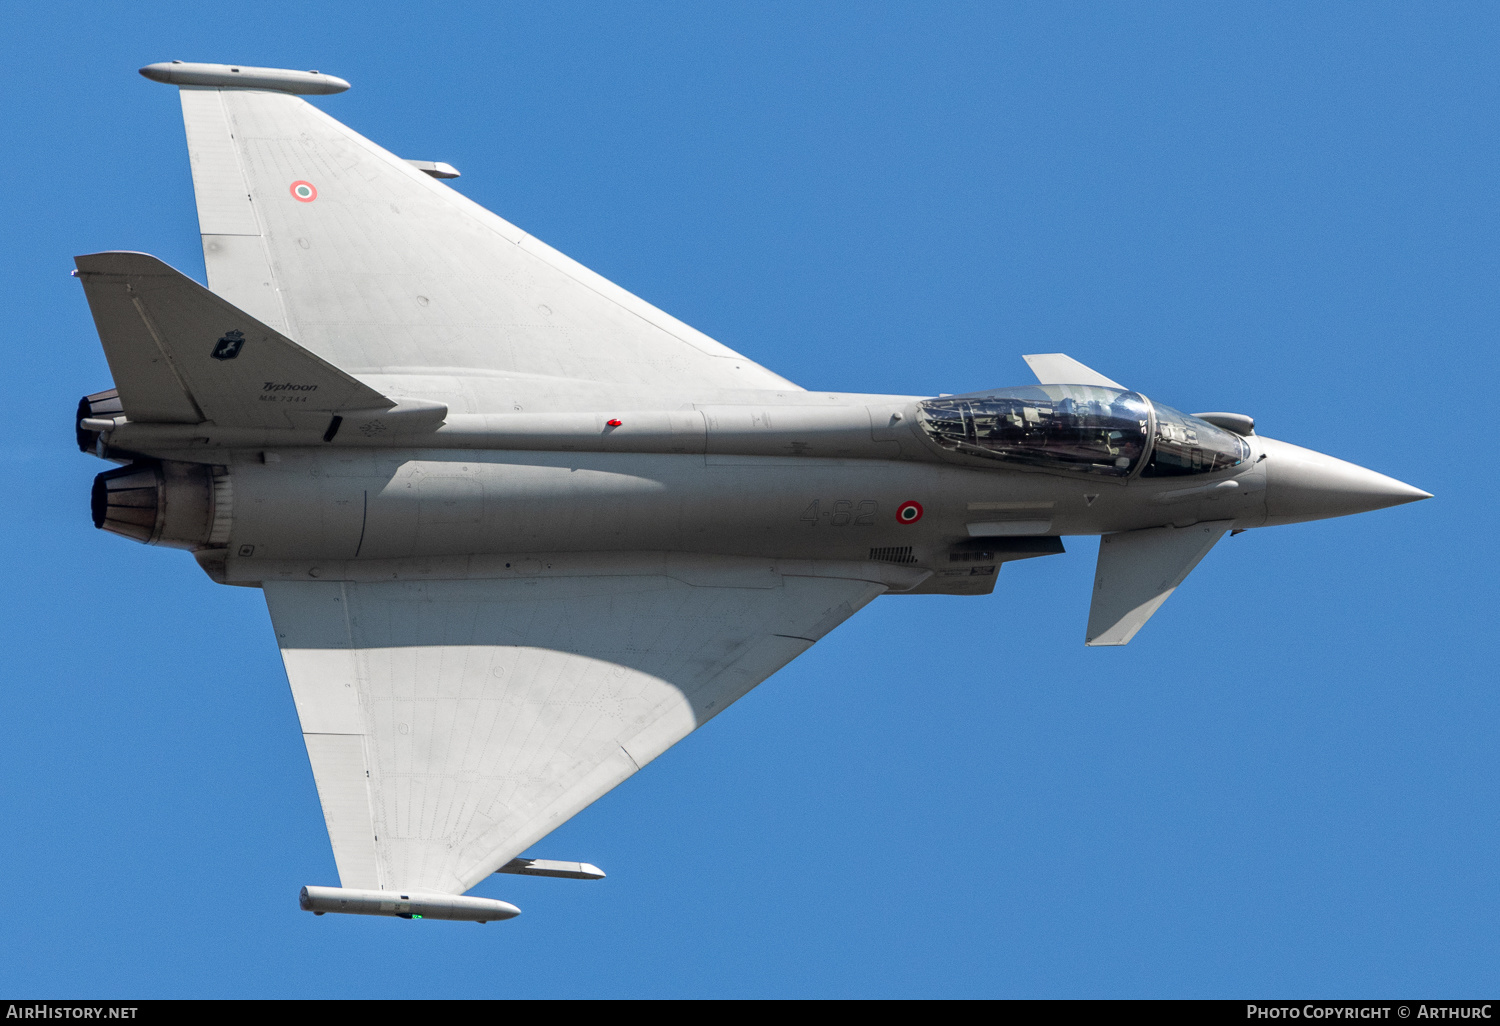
(520,532)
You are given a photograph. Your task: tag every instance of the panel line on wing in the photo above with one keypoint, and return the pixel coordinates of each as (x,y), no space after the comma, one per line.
(494,710)
(383,266)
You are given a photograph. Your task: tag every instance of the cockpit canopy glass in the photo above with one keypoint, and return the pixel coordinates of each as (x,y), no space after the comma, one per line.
(1187,445)
(1059,427)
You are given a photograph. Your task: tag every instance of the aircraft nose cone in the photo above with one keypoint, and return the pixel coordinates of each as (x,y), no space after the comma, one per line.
(1305,485)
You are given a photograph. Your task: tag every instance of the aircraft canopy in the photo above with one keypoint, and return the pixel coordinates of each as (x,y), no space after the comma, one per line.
(1088,428)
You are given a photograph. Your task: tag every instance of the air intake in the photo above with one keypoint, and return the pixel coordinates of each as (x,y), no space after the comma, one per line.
(893,554)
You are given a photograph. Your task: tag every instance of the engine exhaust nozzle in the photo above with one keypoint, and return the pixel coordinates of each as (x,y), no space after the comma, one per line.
(179,505)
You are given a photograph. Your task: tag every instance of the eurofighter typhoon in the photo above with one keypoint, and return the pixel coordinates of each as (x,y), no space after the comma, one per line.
(520,531)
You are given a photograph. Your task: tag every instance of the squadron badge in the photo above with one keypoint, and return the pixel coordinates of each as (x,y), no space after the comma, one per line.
(229,346)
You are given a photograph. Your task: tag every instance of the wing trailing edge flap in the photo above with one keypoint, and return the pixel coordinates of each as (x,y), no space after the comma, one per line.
(181,354)
(1062,369)
(1138,571)
(452,724)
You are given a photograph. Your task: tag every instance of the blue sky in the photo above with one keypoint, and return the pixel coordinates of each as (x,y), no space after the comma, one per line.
(1287,783)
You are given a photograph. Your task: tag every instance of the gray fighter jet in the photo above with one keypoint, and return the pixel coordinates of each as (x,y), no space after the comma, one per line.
(520,531)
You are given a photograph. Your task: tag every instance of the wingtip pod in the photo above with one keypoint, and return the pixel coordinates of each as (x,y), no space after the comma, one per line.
(239,76)
(411,905)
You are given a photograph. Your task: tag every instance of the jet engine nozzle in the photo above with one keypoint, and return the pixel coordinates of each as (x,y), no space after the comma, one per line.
(180,505)
(100,405)
(1305,485)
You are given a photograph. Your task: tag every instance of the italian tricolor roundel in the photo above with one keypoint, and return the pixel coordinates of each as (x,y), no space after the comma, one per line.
(909,512)
(304,192)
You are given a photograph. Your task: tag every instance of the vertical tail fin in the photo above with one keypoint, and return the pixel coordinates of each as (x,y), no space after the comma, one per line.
(180,354)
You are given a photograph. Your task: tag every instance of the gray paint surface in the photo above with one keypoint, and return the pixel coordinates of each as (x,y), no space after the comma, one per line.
(528,531)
